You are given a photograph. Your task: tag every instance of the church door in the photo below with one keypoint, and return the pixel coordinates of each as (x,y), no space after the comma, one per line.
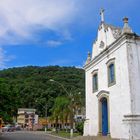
(104,116)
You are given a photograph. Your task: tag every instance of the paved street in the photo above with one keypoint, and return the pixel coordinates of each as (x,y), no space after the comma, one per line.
(24,135)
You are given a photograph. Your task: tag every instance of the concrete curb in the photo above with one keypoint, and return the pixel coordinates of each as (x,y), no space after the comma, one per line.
(57,136)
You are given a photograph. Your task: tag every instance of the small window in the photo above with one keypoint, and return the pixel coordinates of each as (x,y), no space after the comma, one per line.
(95,82)
(102,44)
(111,74)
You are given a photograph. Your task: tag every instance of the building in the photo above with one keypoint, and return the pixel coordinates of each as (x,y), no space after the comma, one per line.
(53,123)
(27,117)
(113,83)
(0,125)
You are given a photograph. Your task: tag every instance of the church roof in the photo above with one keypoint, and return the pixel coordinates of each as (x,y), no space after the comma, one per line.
(117,31)
(107,35)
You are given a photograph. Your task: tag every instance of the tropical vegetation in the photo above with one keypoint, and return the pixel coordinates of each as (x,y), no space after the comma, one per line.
(30,87)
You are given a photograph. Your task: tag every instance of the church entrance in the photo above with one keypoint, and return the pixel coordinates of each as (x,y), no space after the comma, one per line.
(104,116)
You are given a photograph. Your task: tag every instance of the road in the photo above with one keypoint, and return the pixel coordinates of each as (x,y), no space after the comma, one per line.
(25,135)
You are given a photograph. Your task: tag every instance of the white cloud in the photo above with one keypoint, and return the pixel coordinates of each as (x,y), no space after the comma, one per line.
(53,43)
(4,58)
(60,62)
(20,18)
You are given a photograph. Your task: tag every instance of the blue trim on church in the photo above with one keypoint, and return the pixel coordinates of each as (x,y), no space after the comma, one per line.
(104,117)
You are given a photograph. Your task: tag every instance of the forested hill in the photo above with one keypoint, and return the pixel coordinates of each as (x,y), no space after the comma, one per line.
(31,86)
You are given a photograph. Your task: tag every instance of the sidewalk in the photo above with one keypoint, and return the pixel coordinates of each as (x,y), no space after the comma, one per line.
(94,138)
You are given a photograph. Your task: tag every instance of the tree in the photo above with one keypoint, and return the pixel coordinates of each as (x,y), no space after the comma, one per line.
(60,109)
(8,100)
(65,108)
(21,87)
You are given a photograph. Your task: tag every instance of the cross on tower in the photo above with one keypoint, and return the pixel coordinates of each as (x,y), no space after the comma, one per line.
(102,14)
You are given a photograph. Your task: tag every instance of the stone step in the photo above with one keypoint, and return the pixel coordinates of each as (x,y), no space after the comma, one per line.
(93,138)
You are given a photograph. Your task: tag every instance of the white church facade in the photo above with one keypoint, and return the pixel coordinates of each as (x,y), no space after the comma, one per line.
(113,83)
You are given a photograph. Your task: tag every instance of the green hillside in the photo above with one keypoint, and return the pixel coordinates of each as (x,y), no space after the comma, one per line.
(31,87)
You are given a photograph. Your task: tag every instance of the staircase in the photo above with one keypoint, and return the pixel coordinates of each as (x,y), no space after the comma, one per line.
(93,138)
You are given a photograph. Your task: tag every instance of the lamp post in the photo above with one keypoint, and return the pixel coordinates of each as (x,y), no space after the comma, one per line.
(51,80)
(69,95)
(45,115)
(46,118)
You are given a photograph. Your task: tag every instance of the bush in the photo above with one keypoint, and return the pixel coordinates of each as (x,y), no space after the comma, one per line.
(79,127)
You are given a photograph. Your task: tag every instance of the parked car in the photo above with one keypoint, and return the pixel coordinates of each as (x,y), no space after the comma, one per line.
(5,129)
(11,128)
(8,128)
(17,127)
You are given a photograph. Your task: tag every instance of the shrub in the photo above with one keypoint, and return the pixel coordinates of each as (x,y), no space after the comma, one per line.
(79,127)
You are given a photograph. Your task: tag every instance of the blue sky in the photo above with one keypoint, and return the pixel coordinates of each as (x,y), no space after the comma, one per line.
(56,32)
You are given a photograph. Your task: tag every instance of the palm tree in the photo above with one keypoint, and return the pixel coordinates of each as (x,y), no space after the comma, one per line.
(65,108)
(75,104)
(59,110)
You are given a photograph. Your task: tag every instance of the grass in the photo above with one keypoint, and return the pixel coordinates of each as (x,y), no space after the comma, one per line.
(64,134)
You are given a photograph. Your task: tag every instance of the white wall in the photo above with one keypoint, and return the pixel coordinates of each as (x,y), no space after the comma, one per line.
(133,120)
(133,49)
(119,94)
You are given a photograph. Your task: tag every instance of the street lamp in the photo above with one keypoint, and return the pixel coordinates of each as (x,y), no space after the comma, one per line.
(46,118)
(45,115)
(52,80)
(69,95)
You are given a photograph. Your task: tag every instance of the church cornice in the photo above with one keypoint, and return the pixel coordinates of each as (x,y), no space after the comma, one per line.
(117,43)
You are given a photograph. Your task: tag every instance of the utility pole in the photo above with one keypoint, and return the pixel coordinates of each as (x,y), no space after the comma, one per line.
(70,96)
(44,107)
(46,117)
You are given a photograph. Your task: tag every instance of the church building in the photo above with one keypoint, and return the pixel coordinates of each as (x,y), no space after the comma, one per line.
(113,83)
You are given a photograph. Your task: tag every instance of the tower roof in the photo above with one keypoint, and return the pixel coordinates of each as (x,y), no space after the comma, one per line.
(115,30)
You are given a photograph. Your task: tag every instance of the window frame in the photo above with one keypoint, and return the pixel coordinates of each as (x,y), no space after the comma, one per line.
(109,63)
(95,72)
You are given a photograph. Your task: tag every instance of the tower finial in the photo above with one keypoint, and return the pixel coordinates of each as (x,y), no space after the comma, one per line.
(88,58)
(102,14)
(126,28)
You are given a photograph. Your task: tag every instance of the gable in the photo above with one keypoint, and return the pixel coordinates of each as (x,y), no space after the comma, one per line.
(106,35)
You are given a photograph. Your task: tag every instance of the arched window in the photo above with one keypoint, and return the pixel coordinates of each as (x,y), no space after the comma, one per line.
(95,82)
(111,72)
